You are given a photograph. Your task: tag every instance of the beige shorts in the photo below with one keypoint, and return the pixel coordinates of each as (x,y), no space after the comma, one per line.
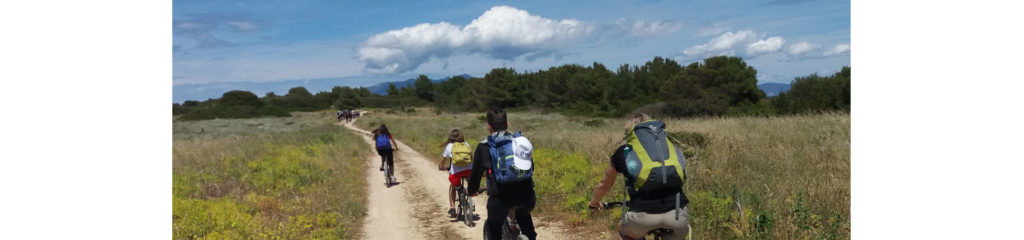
(637,224)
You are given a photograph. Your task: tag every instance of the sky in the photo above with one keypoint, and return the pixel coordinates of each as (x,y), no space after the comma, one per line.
(263,41)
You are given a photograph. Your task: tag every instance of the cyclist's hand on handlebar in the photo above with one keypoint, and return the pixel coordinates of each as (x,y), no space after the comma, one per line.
(596,206)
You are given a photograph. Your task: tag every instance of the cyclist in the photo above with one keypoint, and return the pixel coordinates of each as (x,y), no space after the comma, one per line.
(659,202)
(458,151)
(386,147)
(507,195)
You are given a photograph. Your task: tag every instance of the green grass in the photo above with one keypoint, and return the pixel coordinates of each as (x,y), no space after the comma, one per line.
(270,178)
(789,174)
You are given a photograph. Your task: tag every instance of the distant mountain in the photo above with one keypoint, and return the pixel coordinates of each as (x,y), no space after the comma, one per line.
(382,88)
(773,89)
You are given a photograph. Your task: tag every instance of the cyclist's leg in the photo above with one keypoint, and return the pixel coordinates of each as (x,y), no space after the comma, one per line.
(451,196)
(496,213)
(637,224)
(680,228)
(389,155)
(523,217)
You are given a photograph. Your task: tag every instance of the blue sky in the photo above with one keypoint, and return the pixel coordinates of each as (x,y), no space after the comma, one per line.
(261,41)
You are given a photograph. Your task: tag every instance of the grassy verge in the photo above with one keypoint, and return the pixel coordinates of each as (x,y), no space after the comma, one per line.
(790,175)
(268,178)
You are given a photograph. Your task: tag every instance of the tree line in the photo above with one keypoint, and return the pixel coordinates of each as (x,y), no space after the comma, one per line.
(718,86)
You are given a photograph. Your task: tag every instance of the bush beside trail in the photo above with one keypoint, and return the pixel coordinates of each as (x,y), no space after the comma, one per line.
(237,179)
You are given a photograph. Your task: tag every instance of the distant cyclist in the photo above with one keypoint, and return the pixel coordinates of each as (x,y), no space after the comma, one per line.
(654,169)
(459,152)
(386,147)
(509,182)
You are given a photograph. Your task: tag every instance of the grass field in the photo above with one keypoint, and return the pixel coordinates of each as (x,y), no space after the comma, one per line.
(790,175)
(267,178)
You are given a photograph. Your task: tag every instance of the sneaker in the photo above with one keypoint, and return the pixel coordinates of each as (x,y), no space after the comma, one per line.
(451,212)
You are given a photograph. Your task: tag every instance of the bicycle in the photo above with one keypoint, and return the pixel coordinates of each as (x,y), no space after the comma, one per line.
(653,234)
(511,231)
(388,176)
(466,206)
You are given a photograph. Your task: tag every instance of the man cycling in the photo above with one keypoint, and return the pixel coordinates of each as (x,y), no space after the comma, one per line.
(504,192)
(458,151)
(654,169)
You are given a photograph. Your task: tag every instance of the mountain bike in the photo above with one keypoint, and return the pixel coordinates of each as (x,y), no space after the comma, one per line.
(654,234)
(388,176)
(466,207)
(511,231)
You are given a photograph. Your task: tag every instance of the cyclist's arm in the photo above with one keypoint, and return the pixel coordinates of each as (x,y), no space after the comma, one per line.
(478,168)
(602,188)
(393,142)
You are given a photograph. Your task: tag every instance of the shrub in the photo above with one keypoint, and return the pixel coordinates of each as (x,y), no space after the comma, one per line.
(288,168)
(221,218)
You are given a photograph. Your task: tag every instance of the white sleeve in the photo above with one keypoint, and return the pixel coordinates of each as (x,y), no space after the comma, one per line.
(447,151)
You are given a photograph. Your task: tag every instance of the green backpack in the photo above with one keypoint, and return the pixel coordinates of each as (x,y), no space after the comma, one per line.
(461,154)
(652,161)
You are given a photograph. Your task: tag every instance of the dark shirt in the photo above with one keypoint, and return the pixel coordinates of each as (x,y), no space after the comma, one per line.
(481,165)
(657,201)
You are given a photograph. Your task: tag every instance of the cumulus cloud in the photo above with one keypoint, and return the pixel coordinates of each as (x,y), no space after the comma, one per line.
(730,43)
(502,32)
(802,48)
(770,45)
(838,50)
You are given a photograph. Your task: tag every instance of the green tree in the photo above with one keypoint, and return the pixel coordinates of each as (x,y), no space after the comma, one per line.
(392,90)
(240,98)
(424,88)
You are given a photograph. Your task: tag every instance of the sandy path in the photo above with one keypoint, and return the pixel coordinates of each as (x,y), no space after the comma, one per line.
(417,207)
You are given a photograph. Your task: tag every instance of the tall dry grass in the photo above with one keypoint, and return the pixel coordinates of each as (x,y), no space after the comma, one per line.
(790,175)
(267,178)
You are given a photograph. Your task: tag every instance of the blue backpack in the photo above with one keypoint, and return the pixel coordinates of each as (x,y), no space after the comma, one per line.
(511,157)
(383,142)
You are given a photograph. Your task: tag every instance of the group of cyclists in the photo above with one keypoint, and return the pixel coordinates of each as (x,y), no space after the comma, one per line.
(347,115)
(653,168)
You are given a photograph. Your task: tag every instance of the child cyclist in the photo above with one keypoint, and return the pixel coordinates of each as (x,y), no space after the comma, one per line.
(458,151)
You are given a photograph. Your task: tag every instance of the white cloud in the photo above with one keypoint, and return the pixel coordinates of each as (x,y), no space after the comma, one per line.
(838,50)
(730,43)
(641,28)
(801,48)
(502,32)
(770,45)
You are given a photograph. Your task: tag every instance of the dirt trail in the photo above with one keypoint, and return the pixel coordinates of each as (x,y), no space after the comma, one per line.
(417,207)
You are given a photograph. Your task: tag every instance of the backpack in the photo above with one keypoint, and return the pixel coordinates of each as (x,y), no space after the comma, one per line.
(383,141)
(652,161)
(461,154)
(511,157)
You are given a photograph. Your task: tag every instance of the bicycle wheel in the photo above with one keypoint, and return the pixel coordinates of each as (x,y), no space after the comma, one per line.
(387,175)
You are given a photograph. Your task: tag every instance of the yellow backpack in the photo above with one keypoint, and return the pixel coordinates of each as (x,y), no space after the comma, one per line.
(461,154)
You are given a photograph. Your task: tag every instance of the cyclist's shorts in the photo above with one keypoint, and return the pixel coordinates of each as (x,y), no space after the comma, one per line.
(454,178)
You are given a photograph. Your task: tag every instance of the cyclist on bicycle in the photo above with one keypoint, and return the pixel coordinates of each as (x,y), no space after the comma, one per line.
(386,147)
(655,171)
(459,152)
(504,192)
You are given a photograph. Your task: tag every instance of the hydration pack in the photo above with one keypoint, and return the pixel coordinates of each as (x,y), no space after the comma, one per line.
(383,142)
(652,161)
(511,157)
